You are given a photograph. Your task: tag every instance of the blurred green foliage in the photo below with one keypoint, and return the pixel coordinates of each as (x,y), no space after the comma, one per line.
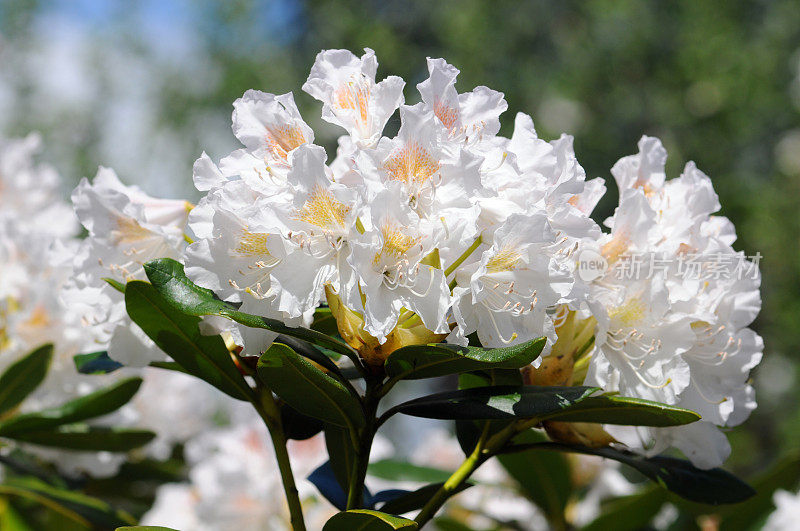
(717,81)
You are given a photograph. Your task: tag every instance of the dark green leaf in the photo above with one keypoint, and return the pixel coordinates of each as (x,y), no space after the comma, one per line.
(715,486)
(341,454)
(178,334)
(93,510)
(544,477)
(469,431)
(396,470)
(324,322)
(415,500)
(88,438)
(427,361)
(95,363)
(298,426)
(100,402)
(495,402)
(307,389)
(625,411)
(169,279)
(365,520)
(23,377)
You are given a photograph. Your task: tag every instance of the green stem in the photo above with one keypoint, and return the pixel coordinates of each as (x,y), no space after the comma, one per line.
(358,474)
(484,450)
(270,413)
(460,259)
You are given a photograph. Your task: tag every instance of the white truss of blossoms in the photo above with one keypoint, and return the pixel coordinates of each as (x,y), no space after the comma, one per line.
(444,231)
(126,229)
(449,229)
(675,338)
(38,244)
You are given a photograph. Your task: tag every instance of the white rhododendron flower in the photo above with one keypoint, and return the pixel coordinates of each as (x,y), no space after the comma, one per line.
(126,229)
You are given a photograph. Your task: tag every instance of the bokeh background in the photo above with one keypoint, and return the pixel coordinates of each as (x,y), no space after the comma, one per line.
(146,86)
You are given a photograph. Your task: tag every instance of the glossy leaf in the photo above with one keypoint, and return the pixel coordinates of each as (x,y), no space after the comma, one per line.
(366,520)
(715,486)
(100,402)
(168,277)
(178,335)
(625,411)
(88,438)
(95,363)
(298,426)
(414,500)
(93,510)
(23,377)
(397,470)
(307,389)
(341,454)
(328,484)
(427,361)
(495,402)
(544,477)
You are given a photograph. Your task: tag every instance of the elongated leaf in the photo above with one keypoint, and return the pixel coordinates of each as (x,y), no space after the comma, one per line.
(98,403)
(298,426)
(469,431)
(625,411)
(414,500)
(88,438)
(23,377)
(95,363)
(168,277)
(307,389)
(177,334)
(544,477)
(91,509)
(397,470)
(715,486)
(341,455)
(427,361)
(495,402)
(366,520)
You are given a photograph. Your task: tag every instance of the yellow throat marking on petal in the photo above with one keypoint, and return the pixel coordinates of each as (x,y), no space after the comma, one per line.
(395,244)
(629,313)
(281,139)
(252,244)
(506,259)
(412,165)
(128,230)
(615,248)
(323,210)
(448,115)
(354,95)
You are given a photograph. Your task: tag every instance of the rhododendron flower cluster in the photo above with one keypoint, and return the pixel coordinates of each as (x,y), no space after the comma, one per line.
(448,229)
(303,286)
